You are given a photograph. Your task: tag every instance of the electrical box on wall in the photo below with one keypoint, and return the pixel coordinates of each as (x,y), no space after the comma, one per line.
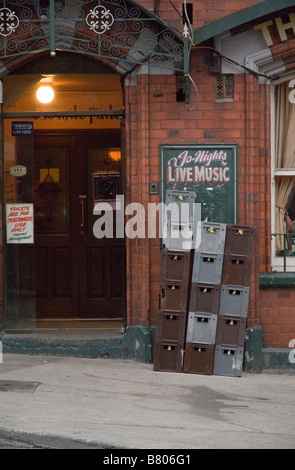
(154,188)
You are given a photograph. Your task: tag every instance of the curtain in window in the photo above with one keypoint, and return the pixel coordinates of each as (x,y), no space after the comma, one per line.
(285,155)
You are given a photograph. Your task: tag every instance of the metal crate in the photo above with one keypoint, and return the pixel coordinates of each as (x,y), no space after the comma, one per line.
(228,360)
(201,328)
(198,358)
(210,237)
(231,330)
(171,326)
(207,268)
(168,356)
(204,297)
(234,300)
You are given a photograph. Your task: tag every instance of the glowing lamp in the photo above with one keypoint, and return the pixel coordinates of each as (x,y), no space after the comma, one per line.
(45,94)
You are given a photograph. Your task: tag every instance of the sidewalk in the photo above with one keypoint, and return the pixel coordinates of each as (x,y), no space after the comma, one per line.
(125,404)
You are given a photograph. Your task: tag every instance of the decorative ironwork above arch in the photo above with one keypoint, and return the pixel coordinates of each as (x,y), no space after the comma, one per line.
(119,31)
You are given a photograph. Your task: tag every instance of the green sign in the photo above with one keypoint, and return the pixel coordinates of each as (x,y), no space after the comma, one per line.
(210,170)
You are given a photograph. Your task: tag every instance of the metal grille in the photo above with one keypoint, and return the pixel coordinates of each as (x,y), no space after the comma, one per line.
(18,386)
(224,89)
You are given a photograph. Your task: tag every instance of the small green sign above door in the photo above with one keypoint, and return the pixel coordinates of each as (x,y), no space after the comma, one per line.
(210,170)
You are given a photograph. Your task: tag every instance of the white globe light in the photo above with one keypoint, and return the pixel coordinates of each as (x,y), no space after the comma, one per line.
(45,94)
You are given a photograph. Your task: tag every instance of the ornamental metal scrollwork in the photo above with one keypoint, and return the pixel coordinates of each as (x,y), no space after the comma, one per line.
(8,21)
(99,20)
(119,31)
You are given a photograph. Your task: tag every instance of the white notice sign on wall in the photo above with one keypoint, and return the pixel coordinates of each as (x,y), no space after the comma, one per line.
(20,223)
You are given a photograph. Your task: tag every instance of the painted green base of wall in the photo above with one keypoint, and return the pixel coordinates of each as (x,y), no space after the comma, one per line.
(135,344)
(138,344)
(277,360)
(62,347)
(253,349)
(258,359)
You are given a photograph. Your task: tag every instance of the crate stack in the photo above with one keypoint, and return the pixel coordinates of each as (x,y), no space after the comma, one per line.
(234,300)
(204,298)
(175,280)
(204,293)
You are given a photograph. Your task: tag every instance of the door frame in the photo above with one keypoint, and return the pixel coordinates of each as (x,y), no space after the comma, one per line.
(92,133)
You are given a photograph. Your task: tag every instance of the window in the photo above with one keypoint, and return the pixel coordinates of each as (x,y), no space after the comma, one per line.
(284,177)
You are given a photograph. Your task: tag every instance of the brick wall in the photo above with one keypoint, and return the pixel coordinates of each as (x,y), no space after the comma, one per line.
(277,316)
(244,121)
(203,11)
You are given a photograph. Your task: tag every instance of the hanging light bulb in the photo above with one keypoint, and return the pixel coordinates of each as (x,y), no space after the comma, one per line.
(45,94)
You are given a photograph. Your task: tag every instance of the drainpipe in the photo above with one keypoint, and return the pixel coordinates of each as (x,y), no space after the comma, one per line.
(52,28)
(186,51)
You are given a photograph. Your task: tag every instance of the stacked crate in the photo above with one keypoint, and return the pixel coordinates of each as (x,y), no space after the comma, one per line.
(179,220)
(234,300)
(204,298)
(175,280)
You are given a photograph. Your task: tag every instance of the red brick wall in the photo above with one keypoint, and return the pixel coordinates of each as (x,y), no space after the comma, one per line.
(277,316)
(244,121)
(203,11)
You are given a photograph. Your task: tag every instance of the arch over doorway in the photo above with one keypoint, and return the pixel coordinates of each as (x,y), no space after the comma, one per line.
(123,33)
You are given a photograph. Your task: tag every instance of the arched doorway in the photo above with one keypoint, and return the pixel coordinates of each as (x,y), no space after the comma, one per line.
(123,35)
(70,153)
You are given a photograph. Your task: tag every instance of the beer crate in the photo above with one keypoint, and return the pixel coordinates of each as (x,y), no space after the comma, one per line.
(204,297)
(237,270)
(207,268)
(234,300)
(210,237)
(201,328)
(198,358)
(231,330)
(180,205)
(175,265)
(171,326)
(168,356)
(228,360)
(239,240)
(174,295)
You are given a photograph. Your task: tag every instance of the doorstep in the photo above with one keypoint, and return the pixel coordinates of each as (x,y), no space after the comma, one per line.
(135,343)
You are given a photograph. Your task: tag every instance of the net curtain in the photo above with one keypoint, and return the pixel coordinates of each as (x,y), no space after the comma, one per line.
(284,157)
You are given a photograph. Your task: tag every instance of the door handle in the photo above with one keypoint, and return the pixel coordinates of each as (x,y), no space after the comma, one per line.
(82,198)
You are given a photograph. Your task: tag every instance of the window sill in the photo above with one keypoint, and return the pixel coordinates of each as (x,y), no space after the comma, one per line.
(277,279)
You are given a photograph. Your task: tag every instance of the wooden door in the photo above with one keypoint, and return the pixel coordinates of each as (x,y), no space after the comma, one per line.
(77,275)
